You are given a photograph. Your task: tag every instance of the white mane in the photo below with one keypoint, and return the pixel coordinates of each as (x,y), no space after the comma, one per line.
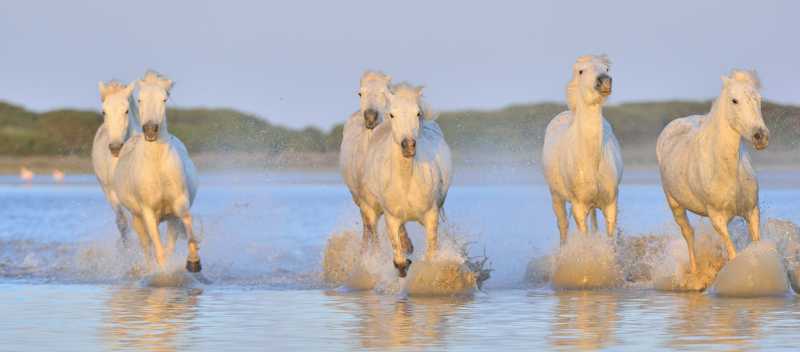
(408,90)
(572,86)
(370,75)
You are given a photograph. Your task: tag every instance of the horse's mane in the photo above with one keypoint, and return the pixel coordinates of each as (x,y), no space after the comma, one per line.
(114,86)
(405,89)
(370,75)
(746,76)
(153,77)
(572,86)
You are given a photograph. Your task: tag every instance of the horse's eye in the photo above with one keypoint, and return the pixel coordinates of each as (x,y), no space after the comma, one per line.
(735,101)
(139,101)
(580,72)
(164,101)
(104,113)
(359,94)
(126,112)
(419,114)
(391,115)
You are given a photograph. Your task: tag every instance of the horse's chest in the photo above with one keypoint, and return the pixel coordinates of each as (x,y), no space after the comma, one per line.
(411,198)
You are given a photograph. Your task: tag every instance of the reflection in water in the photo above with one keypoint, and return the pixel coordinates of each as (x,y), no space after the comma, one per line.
(736,322)
(148,319)
(584,320)
(386,321)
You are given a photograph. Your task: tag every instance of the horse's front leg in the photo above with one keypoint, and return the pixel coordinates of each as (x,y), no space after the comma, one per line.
(679,213)
(193,260)
(560,209)
(720,222)
(753,219)
(610,214)
(401,262)
(144,240)
(580,211)
(431,222)
(151,225)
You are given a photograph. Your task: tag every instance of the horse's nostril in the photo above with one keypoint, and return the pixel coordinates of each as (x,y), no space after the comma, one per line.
(758,136)
(404,143)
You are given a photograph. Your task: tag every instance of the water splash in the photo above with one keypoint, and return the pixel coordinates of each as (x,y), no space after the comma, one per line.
(586,262)
(661,260)
(757,271)
(450,272)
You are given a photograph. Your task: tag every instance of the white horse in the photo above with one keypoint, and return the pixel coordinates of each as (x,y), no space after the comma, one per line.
(356,136)
(581,156)
(408,170)
(120,123)
(704,167)
(155,178)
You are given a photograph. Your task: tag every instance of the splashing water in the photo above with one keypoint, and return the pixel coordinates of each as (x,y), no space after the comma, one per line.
(586,262)
(755,272)
(451,272)
(661,261)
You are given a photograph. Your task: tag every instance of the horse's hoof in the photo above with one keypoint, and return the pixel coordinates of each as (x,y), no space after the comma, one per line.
(402,269)
(193,267)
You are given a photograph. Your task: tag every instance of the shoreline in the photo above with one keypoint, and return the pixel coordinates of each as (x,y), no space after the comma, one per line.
(635,160)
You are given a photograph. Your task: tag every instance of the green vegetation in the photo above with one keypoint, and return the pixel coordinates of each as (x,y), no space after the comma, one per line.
(516,129)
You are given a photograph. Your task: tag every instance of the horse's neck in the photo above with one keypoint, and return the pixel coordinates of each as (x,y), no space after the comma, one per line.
(722,141)
(588,131)
(401,167)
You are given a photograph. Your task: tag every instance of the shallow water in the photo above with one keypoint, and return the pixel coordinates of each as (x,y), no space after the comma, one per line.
(66,286)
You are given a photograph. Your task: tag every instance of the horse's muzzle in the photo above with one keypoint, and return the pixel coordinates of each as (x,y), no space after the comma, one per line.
(409,147)
(150,131)
(603,85)
(761,139)
(114,148)
(370,118)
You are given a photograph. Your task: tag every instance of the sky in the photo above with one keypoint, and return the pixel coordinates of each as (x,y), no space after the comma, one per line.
(298,63)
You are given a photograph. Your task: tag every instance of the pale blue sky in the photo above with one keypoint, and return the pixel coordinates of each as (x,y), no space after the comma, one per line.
(298,62)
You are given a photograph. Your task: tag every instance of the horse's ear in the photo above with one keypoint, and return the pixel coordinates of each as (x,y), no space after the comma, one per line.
(101,86)
(167,84)
(419,90)
(129,88)
(725,80)
(388,79)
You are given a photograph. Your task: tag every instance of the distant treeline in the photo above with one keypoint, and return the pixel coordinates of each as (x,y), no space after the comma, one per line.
(514,129)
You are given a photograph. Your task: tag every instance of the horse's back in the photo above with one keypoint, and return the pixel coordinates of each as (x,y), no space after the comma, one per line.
(554,133)
(678,132)
(612,165)
(186,167)
(352,153)
(101,158)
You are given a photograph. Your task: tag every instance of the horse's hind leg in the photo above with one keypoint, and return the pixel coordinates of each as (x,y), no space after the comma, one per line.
(560,209)
(174,227)
(720,222)
(121,219)
(679,213)
(754,222)
(593,214)
(610,214)
(369,217)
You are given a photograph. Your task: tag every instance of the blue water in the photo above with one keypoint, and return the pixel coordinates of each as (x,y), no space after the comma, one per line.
(65,284)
